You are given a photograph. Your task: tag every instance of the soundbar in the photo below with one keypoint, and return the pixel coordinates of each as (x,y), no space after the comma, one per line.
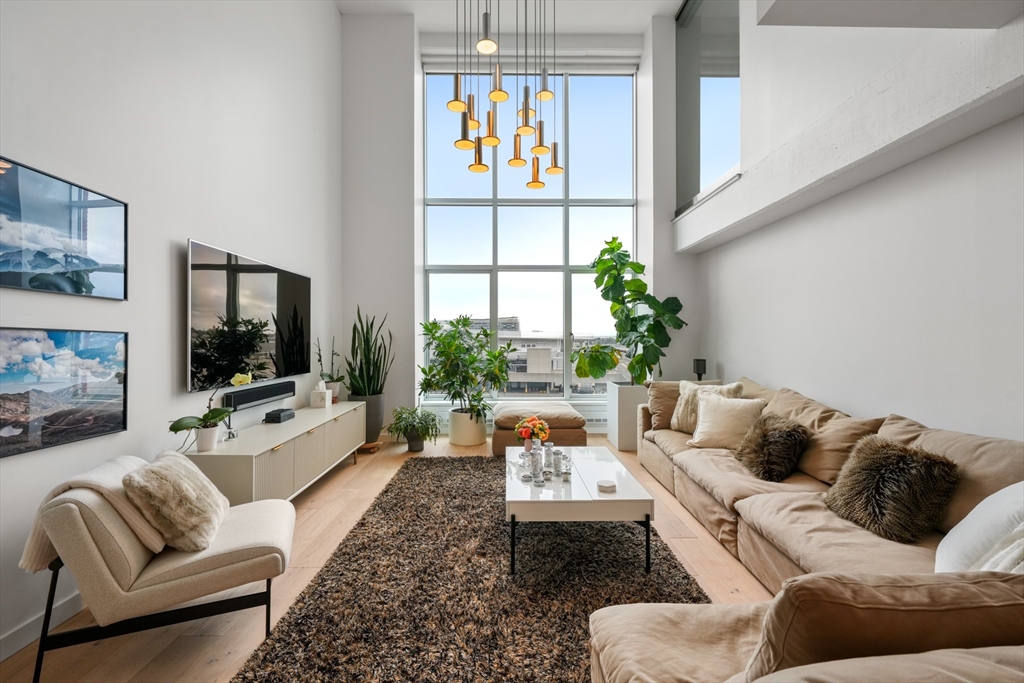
(257,395)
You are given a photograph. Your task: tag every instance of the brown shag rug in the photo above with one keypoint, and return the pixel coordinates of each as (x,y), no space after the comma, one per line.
(420,589)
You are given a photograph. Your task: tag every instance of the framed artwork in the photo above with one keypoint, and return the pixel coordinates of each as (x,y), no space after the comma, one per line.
(56,236)
(60,386)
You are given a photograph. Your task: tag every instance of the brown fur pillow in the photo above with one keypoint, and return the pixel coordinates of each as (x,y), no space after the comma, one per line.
(179,500)
(895,491)
(772,447)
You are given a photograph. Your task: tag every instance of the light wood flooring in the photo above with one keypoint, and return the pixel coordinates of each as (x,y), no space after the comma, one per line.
(214,649)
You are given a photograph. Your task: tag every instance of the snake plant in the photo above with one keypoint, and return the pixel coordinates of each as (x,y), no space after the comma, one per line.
(370,358)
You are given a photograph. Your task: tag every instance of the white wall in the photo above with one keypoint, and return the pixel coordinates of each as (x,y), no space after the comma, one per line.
(903,295)
(214,120)
(668,273)
(382,162)
(791,75)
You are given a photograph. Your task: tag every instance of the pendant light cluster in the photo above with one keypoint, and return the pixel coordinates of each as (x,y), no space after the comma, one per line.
(474,42)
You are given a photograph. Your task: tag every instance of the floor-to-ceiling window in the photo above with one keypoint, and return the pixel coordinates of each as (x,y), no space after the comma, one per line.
(517,259)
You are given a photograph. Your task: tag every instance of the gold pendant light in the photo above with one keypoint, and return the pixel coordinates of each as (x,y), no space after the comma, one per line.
(544,94)
(525,114)
(464,142)
(456,104)
(474,124)
(540,149)
(536,183)
(492,139)
(478,165)
(497,94)
(486,45)
(517,160)
(554,168)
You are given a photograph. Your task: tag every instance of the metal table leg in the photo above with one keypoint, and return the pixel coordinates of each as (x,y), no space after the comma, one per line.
(647,526)
(513,545)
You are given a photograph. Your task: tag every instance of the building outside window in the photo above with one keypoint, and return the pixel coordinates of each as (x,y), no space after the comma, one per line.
(515,259)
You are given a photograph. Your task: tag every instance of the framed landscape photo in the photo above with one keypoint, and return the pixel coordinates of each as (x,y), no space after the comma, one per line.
(60,386)
(56,236)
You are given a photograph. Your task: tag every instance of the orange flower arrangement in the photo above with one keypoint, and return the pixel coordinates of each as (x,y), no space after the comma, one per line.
(532,428)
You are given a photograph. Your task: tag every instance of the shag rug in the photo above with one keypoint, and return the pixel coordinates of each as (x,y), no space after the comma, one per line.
(420,589)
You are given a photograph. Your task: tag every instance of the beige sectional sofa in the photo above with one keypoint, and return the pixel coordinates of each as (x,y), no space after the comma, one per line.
(781,530)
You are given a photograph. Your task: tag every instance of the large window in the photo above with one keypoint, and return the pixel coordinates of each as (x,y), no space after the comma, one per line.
(516,259)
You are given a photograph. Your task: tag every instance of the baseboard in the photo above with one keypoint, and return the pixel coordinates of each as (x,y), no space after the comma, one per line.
(20,636)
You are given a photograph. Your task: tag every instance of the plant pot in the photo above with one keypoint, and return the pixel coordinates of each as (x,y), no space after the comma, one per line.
(415,440)
(465,430)
(207,438)
(374,414)
(623,400)
(335,388)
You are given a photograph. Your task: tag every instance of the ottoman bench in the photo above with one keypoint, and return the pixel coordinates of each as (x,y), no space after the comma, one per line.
(567,425)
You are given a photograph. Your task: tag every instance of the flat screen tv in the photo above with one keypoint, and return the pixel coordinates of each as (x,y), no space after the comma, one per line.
(244,316)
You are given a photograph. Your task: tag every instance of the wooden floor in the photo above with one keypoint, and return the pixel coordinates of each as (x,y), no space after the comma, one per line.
(214,649)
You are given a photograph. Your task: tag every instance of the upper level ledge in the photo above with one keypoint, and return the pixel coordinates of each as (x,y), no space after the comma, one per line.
(958,84)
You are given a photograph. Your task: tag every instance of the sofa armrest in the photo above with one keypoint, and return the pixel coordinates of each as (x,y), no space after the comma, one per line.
(829,616)
(644,423)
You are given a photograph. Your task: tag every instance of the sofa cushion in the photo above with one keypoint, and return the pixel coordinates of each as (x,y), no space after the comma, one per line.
(772,447)
(898,492)
(684,418)
(670,643)
(728,481)
(723,422)
(752,389)
(990,664)
(987,464)
(671,442)
(831,616)
(661,401)
(799,408)
(829,448)
(558,414)
(969,543)
(818,540)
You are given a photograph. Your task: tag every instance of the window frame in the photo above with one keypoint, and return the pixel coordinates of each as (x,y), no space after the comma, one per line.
(565,202)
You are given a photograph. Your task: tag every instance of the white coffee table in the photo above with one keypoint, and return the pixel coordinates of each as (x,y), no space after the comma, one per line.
(577,500)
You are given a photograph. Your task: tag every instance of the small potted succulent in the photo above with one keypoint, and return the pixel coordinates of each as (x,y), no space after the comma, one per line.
(332,378)
(207,425)
(415,425)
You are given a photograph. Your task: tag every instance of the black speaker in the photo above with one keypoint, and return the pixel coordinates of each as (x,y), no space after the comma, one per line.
(262,393)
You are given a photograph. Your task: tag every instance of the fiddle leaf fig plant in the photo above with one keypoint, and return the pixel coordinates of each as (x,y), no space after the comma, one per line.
(642,320)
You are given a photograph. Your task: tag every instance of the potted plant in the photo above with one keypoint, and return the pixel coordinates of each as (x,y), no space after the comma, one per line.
(368,365)
(414,425)
(207,425)
(642,321)
(334,378)
(462,366)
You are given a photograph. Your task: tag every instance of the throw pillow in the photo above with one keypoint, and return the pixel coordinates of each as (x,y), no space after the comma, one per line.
(799,408)
(178,500)
(772,447)
(723,422)
(995,518)
(684,418)
(897,492)
(829,448)
(752,389)
(661,401)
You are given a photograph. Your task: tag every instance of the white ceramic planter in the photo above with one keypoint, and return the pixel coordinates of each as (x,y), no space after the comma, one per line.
(207,438)
(623,400)
(335,388)
(465,430)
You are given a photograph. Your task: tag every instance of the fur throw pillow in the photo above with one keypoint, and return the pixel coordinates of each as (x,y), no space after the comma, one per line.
(897,492)
(772,447)
(178,500)
(684,417)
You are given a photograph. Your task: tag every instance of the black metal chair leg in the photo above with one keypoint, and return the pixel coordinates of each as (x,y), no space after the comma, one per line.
(54,569)
(268,608)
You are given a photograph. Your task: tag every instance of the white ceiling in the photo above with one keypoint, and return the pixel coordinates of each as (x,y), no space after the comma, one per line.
(574,16)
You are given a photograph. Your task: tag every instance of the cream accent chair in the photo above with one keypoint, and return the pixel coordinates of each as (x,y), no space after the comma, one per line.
(126,586)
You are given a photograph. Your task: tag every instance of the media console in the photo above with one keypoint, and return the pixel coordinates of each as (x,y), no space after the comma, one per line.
(280,460)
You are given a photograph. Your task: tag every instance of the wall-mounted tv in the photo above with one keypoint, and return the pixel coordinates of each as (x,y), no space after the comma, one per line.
(244,316)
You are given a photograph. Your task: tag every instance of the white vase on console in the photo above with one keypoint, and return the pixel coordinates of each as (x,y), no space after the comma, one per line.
(207,438)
